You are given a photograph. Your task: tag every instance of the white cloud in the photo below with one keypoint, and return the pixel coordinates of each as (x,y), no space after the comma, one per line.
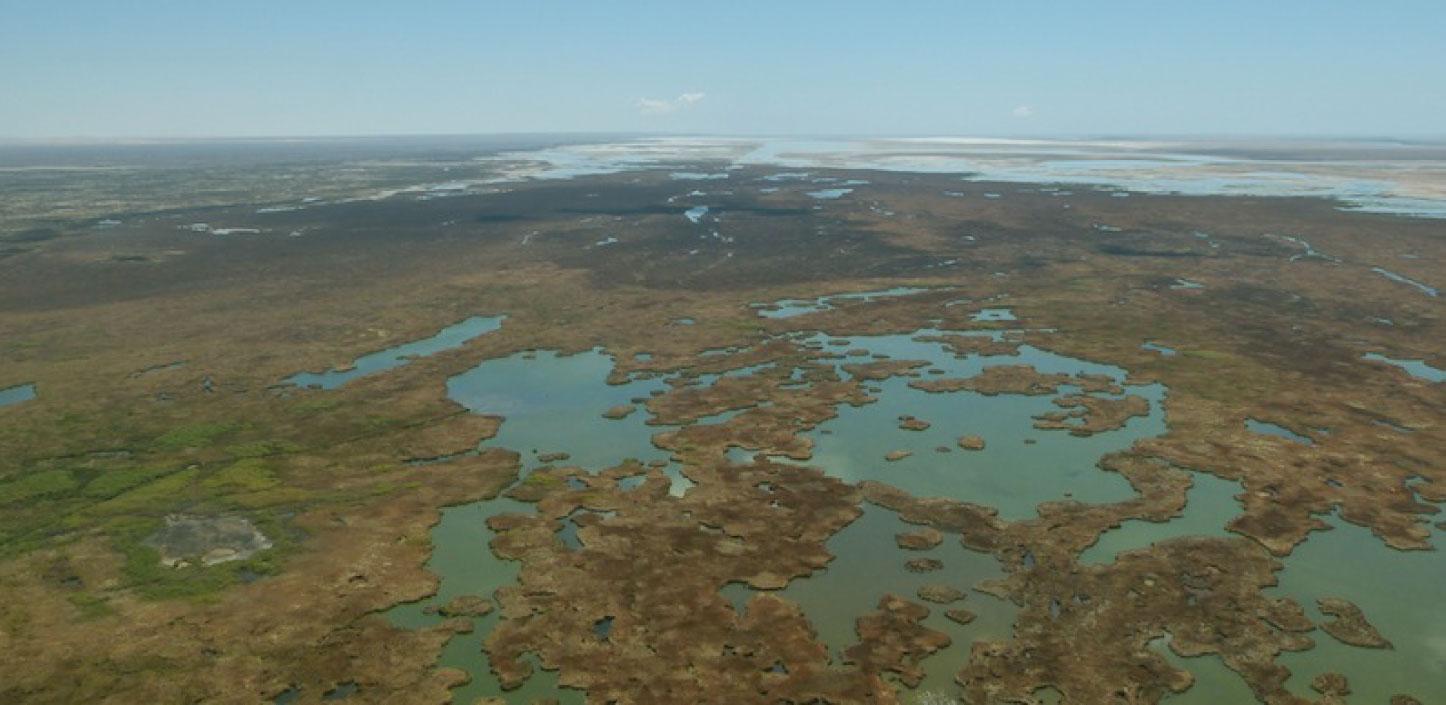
(663,106)
(1023,111)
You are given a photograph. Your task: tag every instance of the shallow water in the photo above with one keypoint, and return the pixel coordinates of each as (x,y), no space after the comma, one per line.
(1269,429)
(697,176)
(468,567)
(1215,683)
(1416,368)
(1209,506)
(788,308)
(1400,593)
(1156,347)
(830,194)
(1142,167)
(17,394)
(995,314)
(1009,474)
(554,403)
(868,564)
(1423,288)
(452,336)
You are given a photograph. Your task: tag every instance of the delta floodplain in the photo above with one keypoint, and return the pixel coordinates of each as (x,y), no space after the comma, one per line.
(681,421)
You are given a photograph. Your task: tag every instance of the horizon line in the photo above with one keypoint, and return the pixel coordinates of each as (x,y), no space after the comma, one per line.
(140,140)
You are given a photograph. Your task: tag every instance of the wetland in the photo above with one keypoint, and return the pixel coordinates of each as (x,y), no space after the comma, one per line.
(883,435)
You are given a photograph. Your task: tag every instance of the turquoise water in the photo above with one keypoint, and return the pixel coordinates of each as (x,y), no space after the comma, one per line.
(450,337)
(1416,368)
(17,394)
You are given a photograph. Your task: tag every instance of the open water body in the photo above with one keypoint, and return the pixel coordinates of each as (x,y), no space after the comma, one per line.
(452,336)
(1416,368)
(788,308)
(554,403)
(17,394)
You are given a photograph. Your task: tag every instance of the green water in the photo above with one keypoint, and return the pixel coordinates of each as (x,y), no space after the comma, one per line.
(554,403)
(1401,594)
(1215,683)
(1009,474)
(1396,589)
(868,564)
(1209,506)
(461,556)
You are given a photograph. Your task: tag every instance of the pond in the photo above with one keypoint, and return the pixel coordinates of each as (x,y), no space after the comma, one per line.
(1265,428)
(17,394)
(1156,347)
(453,336)
(788,308)
(1416,368)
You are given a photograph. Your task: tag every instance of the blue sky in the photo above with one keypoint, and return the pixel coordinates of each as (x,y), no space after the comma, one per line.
(201,68)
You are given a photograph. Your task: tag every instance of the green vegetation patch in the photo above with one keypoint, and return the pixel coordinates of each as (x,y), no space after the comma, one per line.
(153,496)
(46,483)
(144,572)
(245,475)
(542,479)
(112,483)
(192,436)
(90,606)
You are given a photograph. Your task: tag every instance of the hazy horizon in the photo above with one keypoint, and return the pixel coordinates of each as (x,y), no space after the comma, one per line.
(1284,137)
(161,70)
